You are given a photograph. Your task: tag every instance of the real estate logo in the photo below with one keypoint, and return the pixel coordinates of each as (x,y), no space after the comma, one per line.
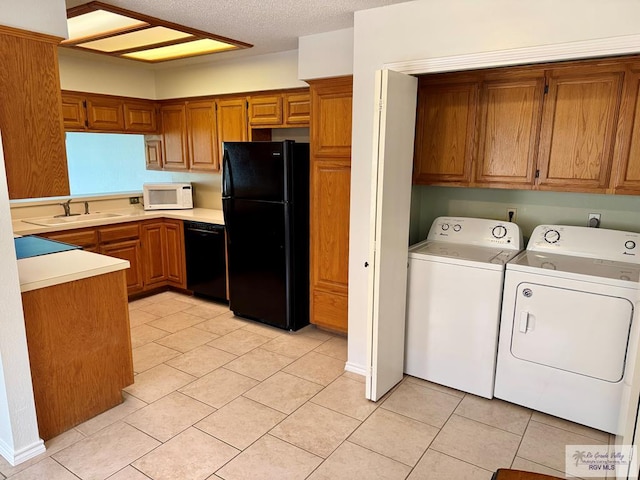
(612,461)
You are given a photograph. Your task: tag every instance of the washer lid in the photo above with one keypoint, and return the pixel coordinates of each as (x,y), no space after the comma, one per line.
(462,254)
(579,268)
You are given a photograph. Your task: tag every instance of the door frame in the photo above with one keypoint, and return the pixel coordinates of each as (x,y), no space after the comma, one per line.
(619,45)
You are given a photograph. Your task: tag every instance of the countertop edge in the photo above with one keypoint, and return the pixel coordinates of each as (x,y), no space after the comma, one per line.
(207,215)
(63,267)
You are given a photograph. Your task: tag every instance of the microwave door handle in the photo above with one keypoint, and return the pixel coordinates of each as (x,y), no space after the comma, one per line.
(227,182)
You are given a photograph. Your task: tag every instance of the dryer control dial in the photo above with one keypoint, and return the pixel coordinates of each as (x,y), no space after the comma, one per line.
(444,227)
(629,244)
(457,227)
(552,236)
(499,232)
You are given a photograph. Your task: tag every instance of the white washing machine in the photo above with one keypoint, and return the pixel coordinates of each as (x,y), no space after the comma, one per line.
(566,327)
(453,301)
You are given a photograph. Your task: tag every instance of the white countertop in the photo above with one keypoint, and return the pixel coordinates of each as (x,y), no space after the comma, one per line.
(208,215)
(56,268)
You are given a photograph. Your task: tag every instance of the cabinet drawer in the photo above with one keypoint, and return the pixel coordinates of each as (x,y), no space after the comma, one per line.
(82,238)
(119,232)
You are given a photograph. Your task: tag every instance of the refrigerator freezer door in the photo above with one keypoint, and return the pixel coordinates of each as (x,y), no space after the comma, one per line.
(255,171)
(257,260)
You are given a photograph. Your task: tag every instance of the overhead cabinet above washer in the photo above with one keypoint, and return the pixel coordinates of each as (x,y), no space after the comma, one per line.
(562,127)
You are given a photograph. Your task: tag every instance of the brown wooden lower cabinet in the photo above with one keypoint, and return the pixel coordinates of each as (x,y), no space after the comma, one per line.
(154,249)
(163,254)
(79,349)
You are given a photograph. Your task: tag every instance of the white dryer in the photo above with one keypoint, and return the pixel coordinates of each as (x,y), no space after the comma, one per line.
(453,301)
(566,326)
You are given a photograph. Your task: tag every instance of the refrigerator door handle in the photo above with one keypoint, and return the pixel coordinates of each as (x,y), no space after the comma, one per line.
(227,183)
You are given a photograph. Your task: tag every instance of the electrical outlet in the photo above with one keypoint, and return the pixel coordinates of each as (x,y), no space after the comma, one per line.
(134,200)
(594,220)
(511,214)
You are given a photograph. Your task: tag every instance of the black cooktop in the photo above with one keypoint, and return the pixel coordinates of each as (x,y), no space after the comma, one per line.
(32,246)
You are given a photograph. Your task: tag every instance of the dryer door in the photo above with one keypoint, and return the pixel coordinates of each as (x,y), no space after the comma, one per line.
(577,331)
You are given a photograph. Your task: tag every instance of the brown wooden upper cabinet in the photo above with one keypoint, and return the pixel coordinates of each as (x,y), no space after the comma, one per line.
(265,110)
(173,118)
(445,129)
(627,155)
(578,128)
(279,110)
(508,129)
(547,127)
(188,137)
(30,116)
(231,115)
(106,113)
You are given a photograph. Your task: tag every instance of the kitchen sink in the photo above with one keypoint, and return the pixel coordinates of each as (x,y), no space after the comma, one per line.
(54,221)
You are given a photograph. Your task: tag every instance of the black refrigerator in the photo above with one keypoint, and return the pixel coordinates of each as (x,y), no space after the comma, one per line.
(265,201)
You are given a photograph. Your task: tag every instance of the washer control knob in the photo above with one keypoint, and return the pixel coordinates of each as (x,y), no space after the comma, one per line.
(629,244)
(552,236)
(457,227)
(444,226)
(499,232)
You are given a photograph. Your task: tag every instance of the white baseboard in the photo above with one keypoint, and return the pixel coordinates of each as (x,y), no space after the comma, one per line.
(353,368)
(15,457)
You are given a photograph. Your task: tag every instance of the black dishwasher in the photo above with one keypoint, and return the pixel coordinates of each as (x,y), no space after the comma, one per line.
(206,260)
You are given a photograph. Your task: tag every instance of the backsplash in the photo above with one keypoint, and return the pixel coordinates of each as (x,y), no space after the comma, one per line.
(618,212)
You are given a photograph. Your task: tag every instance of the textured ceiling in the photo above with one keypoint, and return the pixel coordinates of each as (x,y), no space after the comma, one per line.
(270,25)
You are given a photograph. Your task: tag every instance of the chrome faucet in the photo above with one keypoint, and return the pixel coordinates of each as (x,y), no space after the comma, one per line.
(67,208)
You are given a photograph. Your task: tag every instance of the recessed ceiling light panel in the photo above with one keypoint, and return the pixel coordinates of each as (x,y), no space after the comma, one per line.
(181,50)
(101,28)
(140,38)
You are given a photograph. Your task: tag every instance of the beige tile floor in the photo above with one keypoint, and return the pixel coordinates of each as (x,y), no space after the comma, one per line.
(219,397)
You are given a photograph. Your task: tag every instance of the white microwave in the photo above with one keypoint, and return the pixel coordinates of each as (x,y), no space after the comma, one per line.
(167,196)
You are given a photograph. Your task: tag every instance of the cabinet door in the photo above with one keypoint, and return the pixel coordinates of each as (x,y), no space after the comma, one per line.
(201,133)
(30,118)
(331,120)
(175,253)
(445,132)
(153,154)
(74,112)
(174,137)
(231,115)
(153,252)
(627,156)
(105,114)
(297,107)
(128,250)
(509,124)
(140,117)
(265,110)
(329,201)
(578,128)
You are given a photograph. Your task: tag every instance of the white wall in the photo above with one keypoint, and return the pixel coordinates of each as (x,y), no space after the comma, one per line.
(43,16)
(101,74)
(438,28)
(19,438)
(264,72)
(18,426)
(326,55)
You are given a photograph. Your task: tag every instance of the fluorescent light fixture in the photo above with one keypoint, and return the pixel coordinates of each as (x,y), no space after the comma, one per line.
(180,50)
(140,38)
(101,28)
